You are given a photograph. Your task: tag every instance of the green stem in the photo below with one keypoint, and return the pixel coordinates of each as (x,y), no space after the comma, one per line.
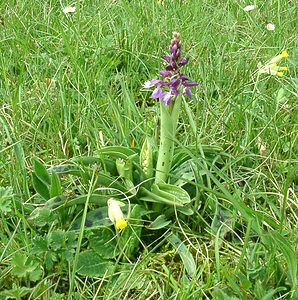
(168,124)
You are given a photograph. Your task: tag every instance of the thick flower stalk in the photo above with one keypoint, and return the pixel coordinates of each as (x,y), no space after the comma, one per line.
(272,66)
(169,91)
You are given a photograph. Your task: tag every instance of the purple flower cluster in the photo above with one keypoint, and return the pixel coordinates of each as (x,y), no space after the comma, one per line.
(173,79)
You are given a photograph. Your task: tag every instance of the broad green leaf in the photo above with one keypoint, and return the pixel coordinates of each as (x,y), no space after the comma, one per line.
(42,216)
(94,219)
(184,173)
(103,242)
(117,152)
(167,194)
(40,187)
(186,210)
(160,222)
(186,256)
(41,172)
(106,164)
(93,265)
(60,202)
(56,189)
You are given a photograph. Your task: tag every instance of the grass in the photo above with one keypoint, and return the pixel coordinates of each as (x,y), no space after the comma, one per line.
(70,84)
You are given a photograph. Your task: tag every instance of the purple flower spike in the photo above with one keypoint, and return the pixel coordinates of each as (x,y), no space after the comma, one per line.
(173,80)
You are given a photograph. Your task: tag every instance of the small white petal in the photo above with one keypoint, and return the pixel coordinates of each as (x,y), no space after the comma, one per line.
(69,9)
(147,84)
(270,27)
(249,7)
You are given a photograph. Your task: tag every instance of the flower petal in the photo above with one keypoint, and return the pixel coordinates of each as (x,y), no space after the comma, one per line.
(169,68)
(175,83)
(157,93)
(156,82)
(148,84)
(165,73)
(190,83)
(249,7)
(175,91)
(188,92)
(184,61)
(167,58)
(166,98)
(183,77)
(69,9)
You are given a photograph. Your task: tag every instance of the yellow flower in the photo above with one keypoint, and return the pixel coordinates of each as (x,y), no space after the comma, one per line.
(272,66)
(115,214)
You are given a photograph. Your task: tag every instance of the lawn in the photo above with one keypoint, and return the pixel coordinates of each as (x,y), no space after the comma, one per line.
(107,193)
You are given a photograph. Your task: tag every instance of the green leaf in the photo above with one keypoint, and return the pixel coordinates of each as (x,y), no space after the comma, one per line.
(41,172)
(186,210)
(24,265)
(15,293)
(165,193)
(93,265)
(184,173)
(94,219)
(288,253)
(104,243)
(186,256)
(56,239)
(19,265)
(55,185)
(160,222)
(117,152)
(40,187)
(42,216)
(223,220)
(6,199)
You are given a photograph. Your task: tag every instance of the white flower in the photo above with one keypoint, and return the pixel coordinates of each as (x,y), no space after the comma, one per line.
(249,7)
(270,27)
(115,213)
(69,9)
(148,84)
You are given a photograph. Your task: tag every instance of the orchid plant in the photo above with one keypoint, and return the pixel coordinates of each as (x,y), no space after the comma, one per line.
(129,187)
(169,92)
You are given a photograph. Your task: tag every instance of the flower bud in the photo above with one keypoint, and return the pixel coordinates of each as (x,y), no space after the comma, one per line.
(146,158)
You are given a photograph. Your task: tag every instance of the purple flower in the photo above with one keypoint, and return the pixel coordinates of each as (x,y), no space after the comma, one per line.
(173,79)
